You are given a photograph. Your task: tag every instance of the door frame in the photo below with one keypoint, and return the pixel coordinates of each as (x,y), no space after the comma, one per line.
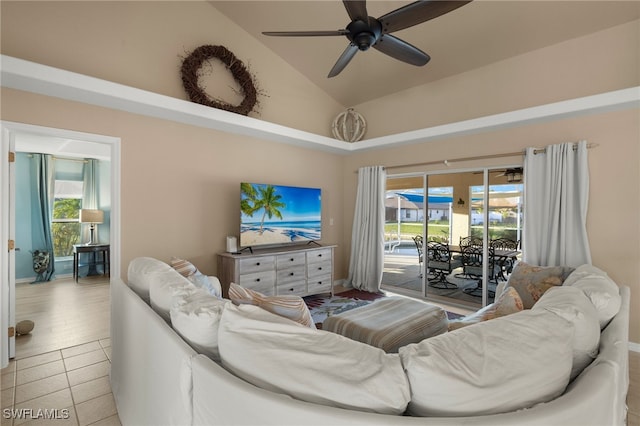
(9,131)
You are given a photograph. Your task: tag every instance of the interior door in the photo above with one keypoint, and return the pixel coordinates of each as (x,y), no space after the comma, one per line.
(7,259)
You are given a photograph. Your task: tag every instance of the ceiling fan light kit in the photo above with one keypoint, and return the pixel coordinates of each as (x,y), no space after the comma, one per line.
(365,31)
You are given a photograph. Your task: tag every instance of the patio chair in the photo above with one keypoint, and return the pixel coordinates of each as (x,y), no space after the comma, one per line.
(441,264)
(505,263)
(419,246)
(472,264)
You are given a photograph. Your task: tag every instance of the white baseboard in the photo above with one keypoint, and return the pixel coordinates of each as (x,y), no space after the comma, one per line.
(635,347)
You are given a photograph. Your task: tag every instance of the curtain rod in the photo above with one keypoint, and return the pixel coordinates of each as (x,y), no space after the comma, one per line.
(480,157)
(65,159)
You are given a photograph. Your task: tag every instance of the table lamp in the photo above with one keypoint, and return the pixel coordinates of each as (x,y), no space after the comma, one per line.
(93,217)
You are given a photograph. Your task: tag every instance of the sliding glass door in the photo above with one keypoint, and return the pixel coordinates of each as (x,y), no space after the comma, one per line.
(404,235)
(452,237)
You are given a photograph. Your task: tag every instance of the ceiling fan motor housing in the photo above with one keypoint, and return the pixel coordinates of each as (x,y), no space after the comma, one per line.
(364,34)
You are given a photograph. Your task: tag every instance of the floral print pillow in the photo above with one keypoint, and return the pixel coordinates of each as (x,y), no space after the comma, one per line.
(531,282)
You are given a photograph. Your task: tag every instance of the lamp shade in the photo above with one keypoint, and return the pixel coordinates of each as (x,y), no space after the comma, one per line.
(91,216)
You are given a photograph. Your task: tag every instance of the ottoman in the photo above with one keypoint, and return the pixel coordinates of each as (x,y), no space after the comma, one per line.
(390,323)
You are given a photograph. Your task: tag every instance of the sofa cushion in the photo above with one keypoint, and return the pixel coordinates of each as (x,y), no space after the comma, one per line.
(573,305)
(509,363)
(316,366)
(139,271)
(532,281)
(599,288)
(163,287)
(508,303)
(287,305)
(196,318)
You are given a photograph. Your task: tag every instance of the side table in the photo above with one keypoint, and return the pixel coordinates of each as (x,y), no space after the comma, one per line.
(98,255)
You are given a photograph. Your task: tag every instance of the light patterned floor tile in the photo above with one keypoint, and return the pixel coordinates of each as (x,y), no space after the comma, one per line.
(89,390)
(90,372)
(41,387)
(96,409)
(6,398)
(80,349)
(56,400)
(35,360)
(105,343)
(85,359)
(109,421)
(7,380)
(9,368)
(39,372)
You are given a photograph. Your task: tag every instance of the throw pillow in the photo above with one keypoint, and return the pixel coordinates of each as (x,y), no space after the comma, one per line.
(531,281)
(508,303)
(510,363)
(184,267)
(288,306)
(196,318)
(573,305)
(599,288)
(316,366)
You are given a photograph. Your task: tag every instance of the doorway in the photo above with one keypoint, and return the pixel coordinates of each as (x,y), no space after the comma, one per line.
(17,137)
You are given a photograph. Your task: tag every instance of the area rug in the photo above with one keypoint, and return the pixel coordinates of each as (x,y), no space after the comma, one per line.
(322,306)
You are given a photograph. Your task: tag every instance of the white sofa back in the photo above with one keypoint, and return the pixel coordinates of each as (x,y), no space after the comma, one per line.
(158,379)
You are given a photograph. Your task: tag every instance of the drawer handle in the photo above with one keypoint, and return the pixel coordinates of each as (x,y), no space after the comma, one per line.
(257,263)
(319,255)
(291,274)
(290,289)
(257,280)
(320,268)
(292,259)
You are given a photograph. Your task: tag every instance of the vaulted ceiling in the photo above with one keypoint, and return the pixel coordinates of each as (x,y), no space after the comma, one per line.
(475,35)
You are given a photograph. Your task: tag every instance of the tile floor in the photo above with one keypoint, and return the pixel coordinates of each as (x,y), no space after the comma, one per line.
(63,387)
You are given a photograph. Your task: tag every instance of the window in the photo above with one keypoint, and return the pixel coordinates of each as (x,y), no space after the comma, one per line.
(65,225)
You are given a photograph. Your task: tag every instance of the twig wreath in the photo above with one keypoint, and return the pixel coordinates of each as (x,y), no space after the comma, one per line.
(191,70)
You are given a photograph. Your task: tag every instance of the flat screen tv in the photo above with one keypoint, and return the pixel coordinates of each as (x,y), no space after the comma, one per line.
(276,214)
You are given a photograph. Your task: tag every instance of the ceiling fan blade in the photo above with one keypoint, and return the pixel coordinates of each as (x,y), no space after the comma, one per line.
(416,13)
(401,50)
(356,9)
(305,33)
(343,60)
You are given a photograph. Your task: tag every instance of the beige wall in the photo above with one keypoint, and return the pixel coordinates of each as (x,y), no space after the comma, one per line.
(180,185)
(614,167)
(141,44)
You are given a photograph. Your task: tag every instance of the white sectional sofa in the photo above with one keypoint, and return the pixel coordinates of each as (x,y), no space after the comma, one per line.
(266,369)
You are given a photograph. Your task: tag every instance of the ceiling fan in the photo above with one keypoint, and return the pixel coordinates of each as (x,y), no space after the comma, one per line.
(365,31)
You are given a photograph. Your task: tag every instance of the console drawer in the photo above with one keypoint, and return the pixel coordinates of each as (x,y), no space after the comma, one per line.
(319,284)
(257,264)
(319,255)
(293,274)
(297,288)
(263,282)
(319,268)
(289,260)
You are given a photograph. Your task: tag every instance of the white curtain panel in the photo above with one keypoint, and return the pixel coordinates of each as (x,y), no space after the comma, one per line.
(367,239)
(555,206)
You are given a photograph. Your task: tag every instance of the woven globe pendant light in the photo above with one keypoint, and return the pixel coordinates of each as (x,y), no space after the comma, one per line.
(349,126)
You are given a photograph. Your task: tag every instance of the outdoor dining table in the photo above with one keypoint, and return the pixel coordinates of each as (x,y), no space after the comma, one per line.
(500,257)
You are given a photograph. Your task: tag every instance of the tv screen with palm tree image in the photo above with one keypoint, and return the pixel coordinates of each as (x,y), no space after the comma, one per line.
(277,214)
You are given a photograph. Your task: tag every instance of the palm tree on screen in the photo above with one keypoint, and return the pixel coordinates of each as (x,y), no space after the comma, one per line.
(264,199)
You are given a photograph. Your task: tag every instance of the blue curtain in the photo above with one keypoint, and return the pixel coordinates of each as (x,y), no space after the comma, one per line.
(42,214)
